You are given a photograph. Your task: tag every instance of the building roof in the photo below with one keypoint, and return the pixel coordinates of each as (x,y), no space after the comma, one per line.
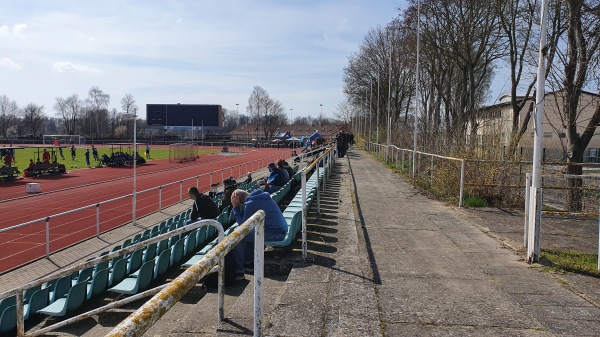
(296,130)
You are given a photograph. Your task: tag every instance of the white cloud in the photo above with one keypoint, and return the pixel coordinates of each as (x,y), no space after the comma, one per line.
(18,29)
(10,64)
(61,67)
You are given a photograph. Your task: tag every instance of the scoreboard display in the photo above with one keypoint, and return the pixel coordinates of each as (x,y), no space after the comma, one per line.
(184,116)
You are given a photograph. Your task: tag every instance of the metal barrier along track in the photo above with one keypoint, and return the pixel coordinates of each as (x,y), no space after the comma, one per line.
(142,319)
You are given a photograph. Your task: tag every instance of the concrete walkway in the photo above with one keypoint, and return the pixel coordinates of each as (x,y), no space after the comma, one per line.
(438,274)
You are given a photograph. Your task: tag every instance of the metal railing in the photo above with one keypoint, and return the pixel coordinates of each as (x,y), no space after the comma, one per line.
(398,156)
(142,319)
(19,292)
(328,157)
(103,216)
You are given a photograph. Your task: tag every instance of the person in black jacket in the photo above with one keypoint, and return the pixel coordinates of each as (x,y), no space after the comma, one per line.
(203,207)
(230,185)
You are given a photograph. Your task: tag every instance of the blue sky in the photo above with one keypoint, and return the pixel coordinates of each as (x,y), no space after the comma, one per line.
(205,52)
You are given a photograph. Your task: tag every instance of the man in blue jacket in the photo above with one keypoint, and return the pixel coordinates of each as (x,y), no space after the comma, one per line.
(275,180)
(275,225)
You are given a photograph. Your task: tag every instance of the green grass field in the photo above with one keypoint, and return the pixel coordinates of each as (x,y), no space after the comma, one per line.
(22,156)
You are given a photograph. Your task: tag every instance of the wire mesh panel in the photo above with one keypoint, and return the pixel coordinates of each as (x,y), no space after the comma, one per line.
(182,152)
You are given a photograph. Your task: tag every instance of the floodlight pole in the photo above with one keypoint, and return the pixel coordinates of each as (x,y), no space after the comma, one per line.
(535,200)
(414,154)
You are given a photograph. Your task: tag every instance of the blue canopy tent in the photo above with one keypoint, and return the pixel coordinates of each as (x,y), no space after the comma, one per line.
(313,137)
(282,135)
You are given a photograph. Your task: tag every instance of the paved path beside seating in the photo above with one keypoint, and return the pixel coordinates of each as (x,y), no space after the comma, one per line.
(437,273)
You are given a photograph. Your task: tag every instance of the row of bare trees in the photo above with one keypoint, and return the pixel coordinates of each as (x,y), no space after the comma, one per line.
(73,115)
(462,45)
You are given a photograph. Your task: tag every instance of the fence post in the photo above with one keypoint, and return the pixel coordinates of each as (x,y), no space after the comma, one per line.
(180,190)
(48,237)
(259,253)
(97,219)
(402,167)
(431,173)
(527,196)
(198,182)
(210,186)
(462,183)
(160,198)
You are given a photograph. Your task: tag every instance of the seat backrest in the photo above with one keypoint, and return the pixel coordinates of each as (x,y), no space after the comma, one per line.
(76,296)
(99,283)
(135,261)
(85,274)
(137,238)
(145,275)
(7,302)
(38,300)
(61,288)
(8,319)
(119,271)
(162,246)
(190,244)
(150,252)
(162,263)
(28,293)
(200,236)
(126,243)
(177,252)
(296,224)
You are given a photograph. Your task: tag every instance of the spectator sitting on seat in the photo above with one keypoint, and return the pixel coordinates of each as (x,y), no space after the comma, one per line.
(203,207)
(8,160)
(248,179)
(275,180)
(46,157)
(229,186)
(31,165)
(288,168)
(284,172)
(275,225)
(212,193)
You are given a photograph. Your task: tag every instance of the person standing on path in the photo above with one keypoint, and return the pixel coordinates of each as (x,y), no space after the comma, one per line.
(87,157)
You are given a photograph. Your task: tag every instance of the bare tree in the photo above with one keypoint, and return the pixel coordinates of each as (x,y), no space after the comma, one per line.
(33,117)
(344,112)
(8,114)
(274,116)
(97,110)
(69,111)
(266,113)
(582,42)
(128,104)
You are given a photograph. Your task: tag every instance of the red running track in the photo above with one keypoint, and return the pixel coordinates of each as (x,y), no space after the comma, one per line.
(85,187)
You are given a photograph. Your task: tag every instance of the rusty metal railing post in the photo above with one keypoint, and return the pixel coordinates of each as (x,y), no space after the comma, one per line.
(160,198)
